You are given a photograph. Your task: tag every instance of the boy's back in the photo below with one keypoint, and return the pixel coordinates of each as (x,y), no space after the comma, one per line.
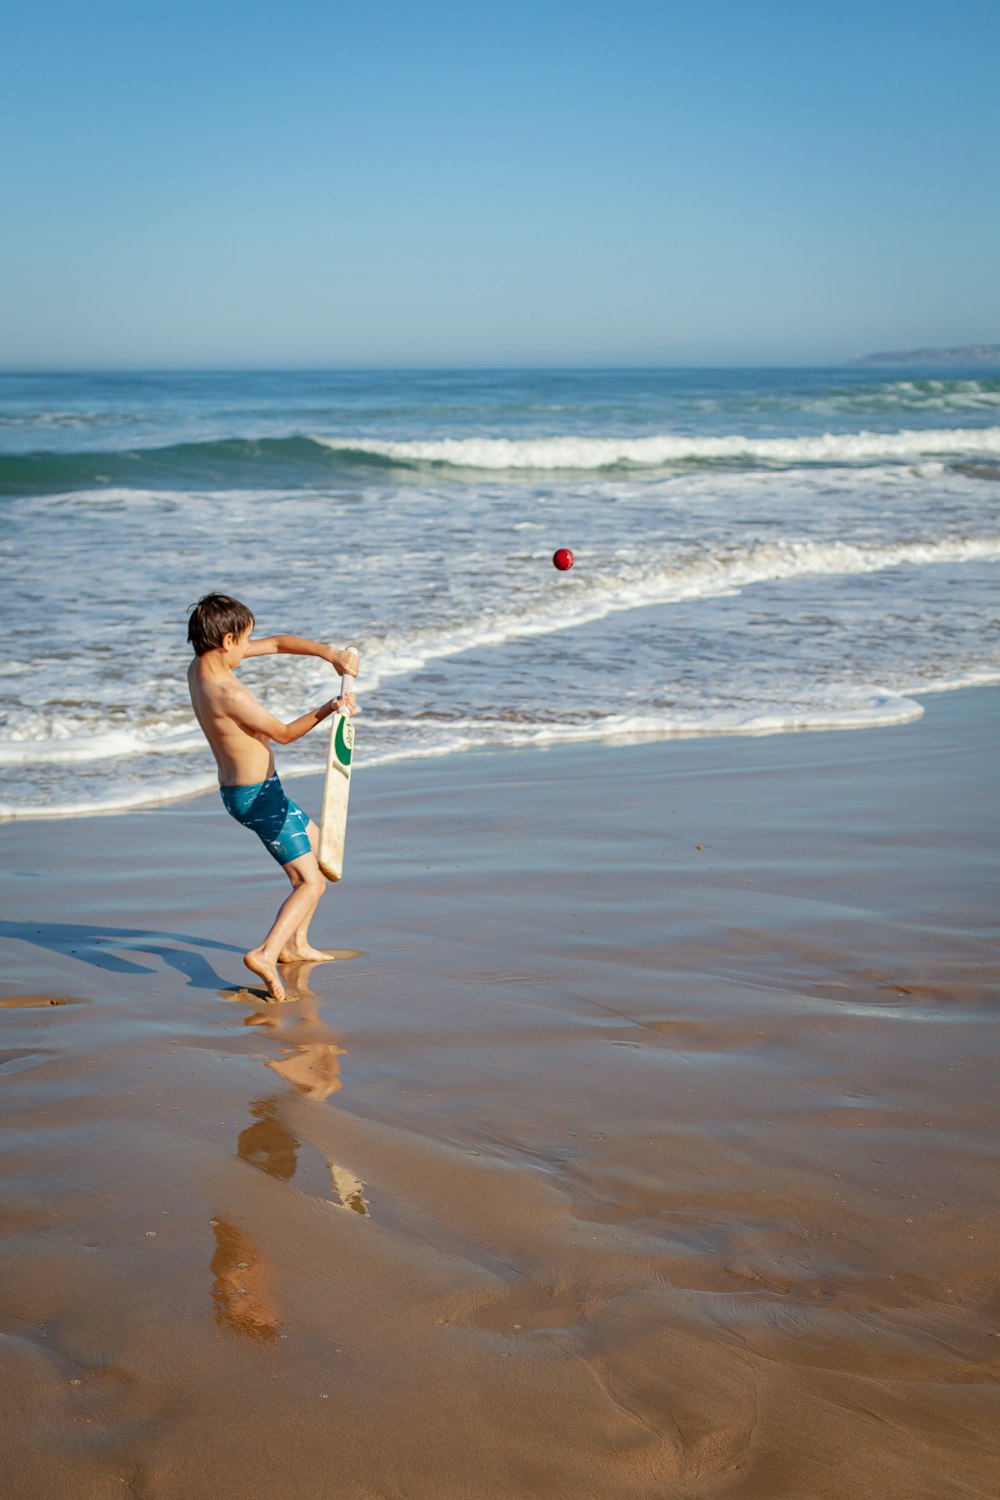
(223,706)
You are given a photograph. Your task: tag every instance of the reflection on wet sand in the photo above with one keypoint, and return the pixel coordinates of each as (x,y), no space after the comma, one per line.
(313,1067)
(349,1189)
(269,1144)
(239,1288)
(240,1271)
(273,1148)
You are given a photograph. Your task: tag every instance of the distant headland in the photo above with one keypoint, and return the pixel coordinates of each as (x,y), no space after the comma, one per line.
(964,354)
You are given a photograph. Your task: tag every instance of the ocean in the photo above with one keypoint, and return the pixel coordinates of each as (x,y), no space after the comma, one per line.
(757,551)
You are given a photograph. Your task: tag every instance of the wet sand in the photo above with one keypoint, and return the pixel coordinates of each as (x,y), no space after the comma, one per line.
(648,1147)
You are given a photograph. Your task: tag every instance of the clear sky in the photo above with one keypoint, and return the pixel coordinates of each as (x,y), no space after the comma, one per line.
(206,182)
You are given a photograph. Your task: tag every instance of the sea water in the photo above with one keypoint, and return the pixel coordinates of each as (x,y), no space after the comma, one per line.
(757,552)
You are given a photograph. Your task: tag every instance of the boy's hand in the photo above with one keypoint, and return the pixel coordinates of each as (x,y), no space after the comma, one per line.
(346,703)
(345,662)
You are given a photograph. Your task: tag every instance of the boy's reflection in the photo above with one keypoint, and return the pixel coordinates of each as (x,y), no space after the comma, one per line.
(239,1287)
(314,1068)
(268,1143)
(240,1271)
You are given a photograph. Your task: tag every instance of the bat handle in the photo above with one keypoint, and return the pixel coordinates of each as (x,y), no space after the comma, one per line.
(343,683)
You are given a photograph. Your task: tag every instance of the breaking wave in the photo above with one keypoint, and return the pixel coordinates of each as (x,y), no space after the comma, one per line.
(692,575)
(665,449)
(54,739)
(310,460)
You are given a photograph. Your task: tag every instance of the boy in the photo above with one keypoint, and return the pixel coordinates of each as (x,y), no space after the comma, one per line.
(240,732)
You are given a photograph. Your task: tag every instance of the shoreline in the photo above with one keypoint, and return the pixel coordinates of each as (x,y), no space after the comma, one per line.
(648,1146)
(618,737)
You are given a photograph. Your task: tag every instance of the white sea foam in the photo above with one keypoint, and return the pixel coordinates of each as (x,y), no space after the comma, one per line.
(624,583)
(691,577)
(983,678)
(582,453)
(857,710)
(115,800)
(881,710)
(134,495)
(904,396)
(59,742)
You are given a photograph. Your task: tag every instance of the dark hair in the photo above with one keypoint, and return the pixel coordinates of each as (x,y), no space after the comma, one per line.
(213,617)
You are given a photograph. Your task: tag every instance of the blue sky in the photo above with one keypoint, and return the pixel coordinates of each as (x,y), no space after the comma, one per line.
(222,184)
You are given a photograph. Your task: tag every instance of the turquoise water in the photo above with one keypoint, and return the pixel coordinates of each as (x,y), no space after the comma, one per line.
(757,551)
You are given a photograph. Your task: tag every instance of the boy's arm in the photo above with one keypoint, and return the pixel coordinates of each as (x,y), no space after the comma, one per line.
(243,707)
(346,661)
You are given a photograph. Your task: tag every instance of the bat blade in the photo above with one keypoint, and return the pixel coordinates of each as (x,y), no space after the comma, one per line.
(336,791)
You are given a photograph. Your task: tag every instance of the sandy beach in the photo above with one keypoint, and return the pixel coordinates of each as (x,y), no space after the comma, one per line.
(646,1148)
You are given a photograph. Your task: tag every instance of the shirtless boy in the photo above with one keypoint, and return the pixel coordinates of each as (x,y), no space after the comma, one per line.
(240,733)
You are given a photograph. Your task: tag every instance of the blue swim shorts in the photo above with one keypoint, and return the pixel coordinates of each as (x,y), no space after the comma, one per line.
(278,822)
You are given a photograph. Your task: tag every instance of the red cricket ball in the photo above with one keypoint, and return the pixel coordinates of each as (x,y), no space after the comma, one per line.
(563,559)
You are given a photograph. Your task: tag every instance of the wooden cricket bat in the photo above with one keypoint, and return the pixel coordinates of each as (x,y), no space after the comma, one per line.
(336,790)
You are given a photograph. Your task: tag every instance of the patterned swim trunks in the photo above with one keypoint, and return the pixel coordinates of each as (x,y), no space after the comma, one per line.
(278,822)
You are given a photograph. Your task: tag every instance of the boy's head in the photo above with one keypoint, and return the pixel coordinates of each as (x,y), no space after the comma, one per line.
(213,618)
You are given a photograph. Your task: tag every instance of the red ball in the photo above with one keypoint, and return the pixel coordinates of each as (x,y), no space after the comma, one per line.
(563,559)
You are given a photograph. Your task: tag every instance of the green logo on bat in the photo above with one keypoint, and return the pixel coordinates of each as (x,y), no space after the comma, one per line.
(343,742)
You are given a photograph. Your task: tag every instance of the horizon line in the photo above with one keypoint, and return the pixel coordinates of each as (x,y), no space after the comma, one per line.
(448,368)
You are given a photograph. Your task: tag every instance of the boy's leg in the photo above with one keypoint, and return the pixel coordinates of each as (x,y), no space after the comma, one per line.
(308,885)
(298,947)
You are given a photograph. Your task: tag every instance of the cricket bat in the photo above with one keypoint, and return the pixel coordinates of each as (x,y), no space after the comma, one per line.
(336,790)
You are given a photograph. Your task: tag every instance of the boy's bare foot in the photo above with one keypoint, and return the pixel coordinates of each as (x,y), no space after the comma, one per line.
(306,955)
(264,969)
